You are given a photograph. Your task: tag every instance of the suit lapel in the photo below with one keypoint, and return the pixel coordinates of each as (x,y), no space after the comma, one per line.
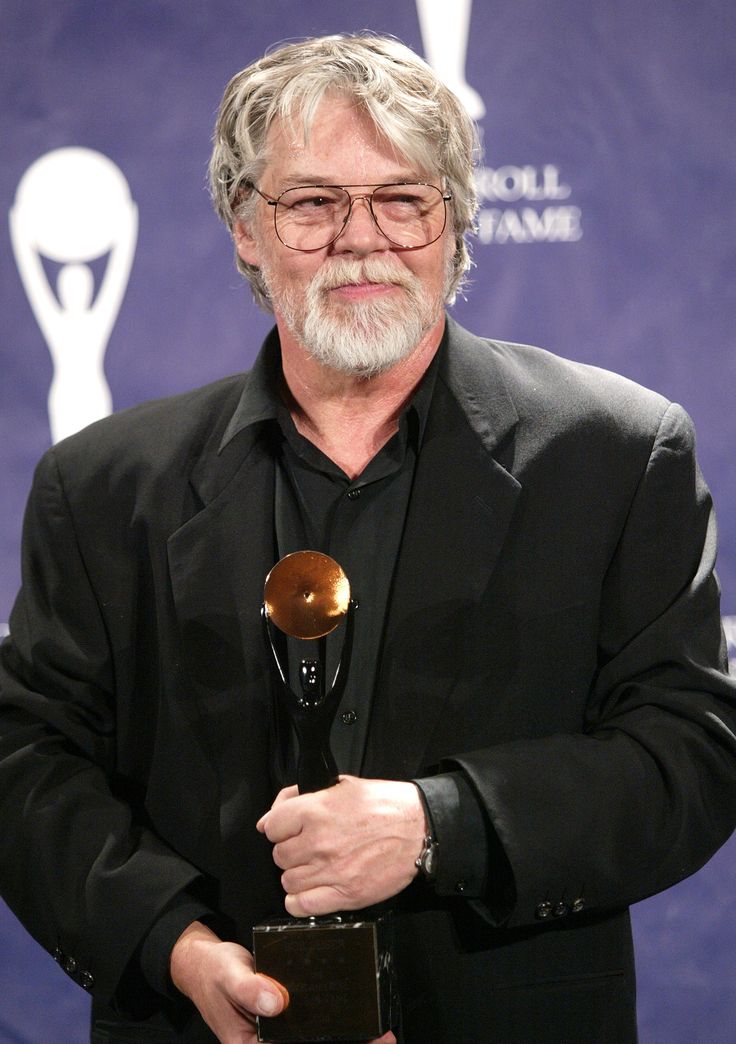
(461,506)
(218,556)
(218,562)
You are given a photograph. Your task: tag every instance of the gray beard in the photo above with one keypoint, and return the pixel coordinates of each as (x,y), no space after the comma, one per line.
(365,338)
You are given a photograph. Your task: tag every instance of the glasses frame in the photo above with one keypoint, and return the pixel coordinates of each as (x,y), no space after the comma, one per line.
(274,201)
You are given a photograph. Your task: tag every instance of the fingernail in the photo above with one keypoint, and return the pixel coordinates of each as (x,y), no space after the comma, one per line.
(267,1003)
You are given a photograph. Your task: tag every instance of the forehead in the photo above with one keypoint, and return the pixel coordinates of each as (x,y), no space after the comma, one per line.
(341,145)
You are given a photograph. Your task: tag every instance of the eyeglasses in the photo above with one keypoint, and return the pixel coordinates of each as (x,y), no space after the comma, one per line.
(311,217)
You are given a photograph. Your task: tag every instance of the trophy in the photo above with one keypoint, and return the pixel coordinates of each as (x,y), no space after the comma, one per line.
(337,969)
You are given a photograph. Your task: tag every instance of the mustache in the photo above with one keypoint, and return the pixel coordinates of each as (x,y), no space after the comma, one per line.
(346,272)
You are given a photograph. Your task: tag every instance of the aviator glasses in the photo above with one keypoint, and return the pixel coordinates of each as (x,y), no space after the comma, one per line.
(311,217)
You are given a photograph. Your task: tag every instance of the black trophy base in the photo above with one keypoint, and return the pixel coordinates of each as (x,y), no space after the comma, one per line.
(338,974)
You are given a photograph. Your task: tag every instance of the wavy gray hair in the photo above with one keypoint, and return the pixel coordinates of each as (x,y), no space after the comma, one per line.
(409,106)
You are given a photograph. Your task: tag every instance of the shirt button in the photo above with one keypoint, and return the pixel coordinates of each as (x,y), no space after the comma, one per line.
(348,717)
(353,494)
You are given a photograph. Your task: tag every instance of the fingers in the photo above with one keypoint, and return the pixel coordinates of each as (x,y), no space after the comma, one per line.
(282,820)
(318,901)
(313,845)
(286,794)
(347,847)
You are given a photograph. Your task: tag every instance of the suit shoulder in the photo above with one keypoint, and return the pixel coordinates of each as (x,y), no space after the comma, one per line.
(568,393)
(151,446)
(157,429)
(553,400)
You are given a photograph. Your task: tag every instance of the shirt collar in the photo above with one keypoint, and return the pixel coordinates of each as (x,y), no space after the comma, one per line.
(261,399)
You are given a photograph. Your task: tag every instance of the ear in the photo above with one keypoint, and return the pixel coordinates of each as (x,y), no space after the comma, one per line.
(245,244)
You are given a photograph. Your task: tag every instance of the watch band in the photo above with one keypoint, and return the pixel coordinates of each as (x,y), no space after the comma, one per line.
(425,861)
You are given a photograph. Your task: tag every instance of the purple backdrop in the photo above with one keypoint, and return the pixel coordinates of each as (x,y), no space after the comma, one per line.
(607,235)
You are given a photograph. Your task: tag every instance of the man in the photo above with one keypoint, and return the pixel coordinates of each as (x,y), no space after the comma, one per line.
(538,683)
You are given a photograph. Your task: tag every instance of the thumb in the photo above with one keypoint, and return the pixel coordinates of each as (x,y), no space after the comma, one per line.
(271,991)
(283,795)
(262,995)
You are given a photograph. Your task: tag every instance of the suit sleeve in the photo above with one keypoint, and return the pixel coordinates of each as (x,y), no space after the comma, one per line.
(81,871)
(647,792)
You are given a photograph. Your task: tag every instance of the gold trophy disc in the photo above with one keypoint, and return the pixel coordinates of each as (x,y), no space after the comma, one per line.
(306,594)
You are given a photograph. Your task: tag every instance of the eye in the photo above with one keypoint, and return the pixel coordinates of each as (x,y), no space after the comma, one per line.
(410,198)
(310,199)
(402,203)
(312,202)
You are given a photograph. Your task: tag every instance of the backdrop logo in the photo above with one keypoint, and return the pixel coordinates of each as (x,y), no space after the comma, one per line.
(73,208)
(526,201)
(445,39)
(514,218)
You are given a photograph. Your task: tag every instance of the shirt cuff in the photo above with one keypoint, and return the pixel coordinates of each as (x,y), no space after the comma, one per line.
(470,859)
(457,823)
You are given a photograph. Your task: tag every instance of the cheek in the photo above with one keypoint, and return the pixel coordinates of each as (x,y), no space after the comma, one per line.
(433,274)
(294,268)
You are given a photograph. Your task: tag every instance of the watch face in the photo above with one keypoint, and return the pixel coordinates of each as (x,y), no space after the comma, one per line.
(428,859)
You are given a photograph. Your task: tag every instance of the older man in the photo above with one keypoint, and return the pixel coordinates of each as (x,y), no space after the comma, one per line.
(538,727)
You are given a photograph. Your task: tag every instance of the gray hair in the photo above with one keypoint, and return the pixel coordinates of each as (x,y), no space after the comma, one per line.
(407,103)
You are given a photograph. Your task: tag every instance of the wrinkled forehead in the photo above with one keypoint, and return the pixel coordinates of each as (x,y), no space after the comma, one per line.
(342,133)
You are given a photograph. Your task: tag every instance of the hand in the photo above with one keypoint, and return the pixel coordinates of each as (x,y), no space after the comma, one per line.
(346,847)
(218,978)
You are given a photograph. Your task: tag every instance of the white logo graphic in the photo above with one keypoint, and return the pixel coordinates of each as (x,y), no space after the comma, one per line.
(73,207)
(510,189)
(445,38)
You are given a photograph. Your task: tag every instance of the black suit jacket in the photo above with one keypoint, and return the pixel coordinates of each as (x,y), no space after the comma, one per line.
(553,633)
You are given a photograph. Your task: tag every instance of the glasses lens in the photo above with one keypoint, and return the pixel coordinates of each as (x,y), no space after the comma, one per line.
(311,217)
(409,215)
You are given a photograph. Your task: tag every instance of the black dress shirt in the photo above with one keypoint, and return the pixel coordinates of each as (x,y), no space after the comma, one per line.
(359,523)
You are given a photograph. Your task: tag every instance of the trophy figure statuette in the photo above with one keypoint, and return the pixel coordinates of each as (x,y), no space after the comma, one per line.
(337,969)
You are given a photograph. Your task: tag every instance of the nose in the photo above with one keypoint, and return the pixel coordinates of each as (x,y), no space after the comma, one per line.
(360,234)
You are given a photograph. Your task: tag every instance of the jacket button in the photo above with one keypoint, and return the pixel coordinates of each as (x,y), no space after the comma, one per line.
(543,911)
(58,956)
(460,887)
(561,909)
(70,966)
(87,980)
(348,717)
(578,905)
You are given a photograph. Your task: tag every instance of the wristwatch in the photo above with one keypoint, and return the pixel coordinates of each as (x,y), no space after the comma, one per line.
(425,861)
